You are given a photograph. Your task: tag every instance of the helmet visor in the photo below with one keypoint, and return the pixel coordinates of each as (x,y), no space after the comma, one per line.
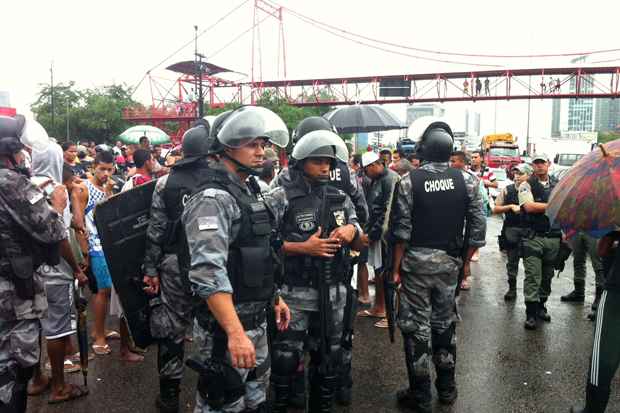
(309,144)
(251,122)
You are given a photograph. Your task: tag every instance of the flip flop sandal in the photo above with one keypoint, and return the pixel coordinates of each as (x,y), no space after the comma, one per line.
(75,393)
(383,323)
(113,335)
(367,313)
(70,366)
(101,350)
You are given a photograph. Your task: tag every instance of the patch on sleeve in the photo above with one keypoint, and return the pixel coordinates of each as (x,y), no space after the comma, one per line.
(35,197)
(207,223)
(340,218)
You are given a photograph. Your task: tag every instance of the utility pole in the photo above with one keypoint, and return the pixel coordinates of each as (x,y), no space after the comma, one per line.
(52,92)
(527,135)
(198,72)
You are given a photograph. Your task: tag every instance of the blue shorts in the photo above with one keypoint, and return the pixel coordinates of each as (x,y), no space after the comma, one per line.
(100,269)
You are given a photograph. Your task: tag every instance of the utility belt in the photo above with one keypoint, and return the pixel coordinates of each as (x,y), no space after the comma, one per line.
(556,233)
(311,279)
(248,321)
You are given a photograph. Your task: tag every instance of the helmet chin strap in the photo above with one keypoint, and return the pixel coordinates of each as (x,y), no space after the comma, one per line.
(241,167)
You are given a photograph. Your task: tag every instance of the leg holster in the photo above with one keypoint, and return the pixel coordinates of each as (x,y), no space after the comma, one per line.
(417,358)
(444,358)
(284,365)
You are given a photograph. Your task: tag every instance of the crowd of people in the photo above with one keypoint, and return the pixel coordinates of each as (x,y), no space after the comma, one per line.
(256,259)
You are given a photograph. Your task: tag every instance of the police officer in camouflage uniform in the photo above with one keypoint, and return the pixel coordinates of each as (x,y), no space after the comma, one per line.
(29,229)
(166,262)
(541,241)
(317,225)
(339,177)
(431,207)
(229,234)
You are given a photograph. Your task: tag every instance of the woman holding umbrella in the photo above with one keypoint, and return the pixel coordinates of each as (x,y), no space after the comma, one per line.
(588,199)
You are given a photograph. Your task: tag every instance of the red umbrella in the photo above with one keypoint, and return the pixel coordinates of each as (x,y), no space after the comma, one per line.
(588,196)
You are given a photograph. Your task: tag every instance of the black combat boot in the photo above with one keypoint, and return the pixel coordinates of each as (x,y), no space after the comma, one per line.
(542,313)
(596,400)
(345,384)
(168,399)
(530,315)
(322,388)
(261,408)
(418,396)
(597,299)
(575,296)
(511,294)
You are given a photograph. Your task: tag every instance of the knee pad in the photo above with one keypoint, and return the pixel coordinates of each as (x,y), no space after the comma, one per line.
(285,359)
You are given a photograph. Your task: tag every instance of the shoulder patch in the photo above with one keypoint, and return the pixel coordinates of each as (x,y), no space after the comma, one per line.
(207,223)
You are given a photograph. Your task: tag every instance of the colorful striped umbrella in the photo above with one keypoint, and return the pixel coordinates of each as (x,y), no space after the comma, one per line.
(588,196)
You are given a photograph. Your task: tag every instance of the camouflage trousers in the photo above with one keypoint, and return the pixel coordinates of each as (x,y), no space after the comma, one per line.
(19,350)
(255,386)
(584,244)
(426,304)
(304,328)
(171,320)
(539,255)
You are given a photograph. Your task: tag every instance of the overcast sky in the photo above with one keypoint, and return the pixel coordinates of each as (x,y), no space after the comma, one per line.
(98,42)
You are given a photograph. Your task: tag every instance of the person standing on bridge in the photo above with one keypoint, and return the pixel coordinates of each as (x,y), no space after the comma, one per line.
(434,205)
(541,241)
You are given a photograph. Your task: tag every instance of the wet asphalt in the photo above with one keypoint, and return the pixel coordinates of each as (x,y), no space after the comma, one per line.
(500,366)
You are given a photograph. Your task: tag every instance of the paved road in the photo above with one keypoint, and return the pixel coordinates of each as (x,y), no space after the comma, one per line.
(501,367)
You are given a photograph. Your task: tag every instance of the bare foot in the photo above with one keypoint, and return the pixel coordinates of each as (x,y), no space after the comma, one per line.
(38,385)
(130,357)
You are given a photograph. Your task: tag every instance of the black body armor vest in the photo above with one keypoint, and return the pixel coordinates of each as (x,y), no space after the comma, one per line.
(539,222)
(250,263)
(439,206)
(512,197)
(302,219)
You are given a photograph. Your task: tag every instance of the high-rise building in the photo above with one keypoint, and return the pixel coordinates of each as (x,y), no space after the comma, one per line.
(607,115)
(581,111)
(556,111)
(418,110)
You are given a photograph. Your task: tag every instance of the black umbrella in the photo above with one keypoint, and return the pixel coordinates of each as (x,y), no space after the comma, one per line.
(363,118)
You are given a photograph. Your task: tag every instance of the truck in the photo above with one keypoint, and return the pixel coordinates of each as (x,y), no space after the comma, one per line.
(500,150)
(563,152)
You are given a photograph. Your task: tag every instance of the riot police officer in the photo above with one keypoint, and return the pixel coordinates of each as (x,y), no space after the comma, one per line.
(340,178)
(229,231)
(431,207)
(541,241)
(31,228)
(317,226)
(166,262)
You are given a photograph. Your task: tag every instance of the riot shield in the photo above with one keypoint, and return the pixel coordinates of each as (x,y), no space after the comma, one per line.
(122,221)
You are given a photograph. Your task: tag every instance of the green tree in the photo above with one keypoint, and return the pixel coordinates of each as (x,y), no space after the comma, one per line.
(604,137)
(92,114)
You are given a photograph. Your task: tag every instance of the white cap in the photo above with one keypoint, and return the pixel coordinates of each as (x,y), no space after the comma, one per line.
(368,158)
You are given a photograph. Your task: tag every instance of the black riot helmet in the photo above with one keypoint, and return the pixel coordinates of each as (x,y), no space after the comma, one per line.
(310,124)
(10,131)
(319,144)
(196,143)
(433,138)
(242,126)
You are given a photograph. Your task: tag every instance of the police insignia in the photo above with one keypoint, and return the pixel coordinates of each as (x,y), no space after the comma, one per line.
(339,216)
(305,221)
